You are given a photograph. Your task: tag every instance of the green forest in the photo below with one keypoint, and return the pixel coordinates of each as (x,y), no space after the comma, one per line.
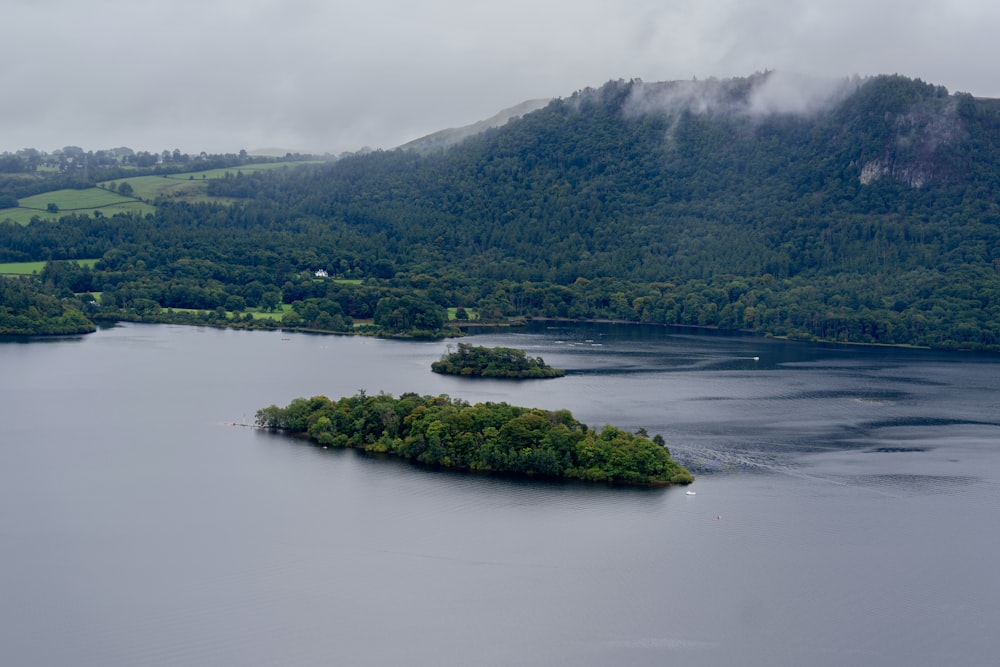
(871,220)
(493,362)
(25,311)
(485,437)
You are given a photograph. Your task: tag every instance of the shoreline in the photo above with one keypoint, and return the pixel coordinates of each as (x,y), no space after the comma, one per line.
(308,441)
(751,332)
(454,329)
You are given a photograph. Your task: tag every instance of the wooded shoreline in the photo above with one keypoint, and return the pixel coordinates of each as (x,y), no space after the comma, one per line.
(486,437)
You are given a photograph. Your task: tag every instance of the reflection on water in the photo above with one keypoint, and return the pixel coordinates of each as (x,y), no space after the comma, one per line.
(731,403)
(844,513)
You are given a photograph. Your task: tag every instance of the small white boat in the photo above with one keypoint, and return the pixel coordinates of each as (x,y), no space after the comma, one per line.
(690,493)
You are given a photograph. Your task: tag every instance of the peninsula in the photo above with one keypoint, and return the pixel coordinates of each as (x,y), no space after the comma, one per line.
(485,437)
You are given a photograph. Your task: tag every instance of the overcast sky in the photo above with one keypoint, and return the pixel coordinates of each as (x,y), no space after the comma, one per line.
(333,76)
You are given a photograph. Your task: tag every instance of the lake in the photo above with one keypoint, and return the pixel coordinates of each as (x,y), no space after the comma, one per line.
(845,511)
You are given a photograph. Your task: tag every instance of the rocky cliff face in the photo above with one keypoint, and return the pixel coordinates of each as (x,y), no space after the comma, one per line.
(918,147)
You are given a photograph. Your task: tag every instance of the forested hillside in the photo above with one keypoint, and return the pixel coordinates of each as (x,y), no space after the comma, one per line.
(856,210)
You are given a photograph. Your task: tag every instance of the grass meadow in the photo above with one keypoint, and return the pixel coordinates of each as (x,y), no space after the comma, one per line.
(29,268)
(73,201)
(473,315)
(190,186)
(257,314)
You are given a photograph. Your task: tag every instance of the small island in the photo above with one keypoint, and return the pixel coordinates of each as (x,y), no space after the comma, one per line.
(493,362)
(486,437)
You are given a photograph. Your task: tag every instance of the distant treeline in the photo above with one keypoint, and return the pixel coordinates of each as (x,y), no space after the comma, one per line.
(486,437)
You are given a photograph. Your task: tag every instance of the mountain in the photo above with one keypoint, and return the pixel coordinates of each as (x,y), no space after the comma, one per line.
(451,136)
(855,210)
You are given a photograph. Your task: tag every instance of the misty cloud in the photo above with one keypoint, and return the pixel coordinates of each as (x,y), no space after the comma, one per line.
(315,75)
(789,93)
(757,95)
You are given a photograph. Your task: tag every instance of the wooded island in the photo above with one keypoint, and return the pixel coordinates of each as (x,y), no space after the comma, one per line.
(485,437)
(493,362)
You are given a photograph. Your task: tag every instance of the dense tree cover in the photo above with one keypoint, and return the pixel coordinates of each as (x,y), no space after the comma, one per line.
(409,312)
(866,221)
(493,362)
(873,219)
(488,437)
(27,311)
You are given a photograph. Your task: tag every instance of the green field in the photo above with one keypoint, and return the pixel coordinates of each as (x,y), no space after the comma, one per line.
(28,268)
(473,315)
(176,186)
(190,186)
(72,201)
(246,169)
(276,315)
(257,314)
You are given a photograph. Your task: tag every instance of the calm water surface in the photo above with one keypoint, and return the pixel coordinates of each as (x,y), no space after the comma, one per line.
(846,508)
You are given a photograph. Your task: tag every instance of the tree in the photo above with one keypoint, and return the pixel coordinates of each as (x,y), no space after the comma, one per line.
(125,189)
(236,303)
(441,431)
(408,312)
(270,300)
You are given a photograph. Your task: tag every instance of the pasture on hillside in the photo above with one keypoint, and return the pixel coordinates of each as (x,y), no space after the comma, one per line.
(73,201)
(29,268)
(188,186)
(191,186)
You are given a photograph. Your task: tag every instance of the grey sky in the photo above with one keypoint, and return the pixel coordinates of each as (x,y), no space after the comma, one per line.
(327,75)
